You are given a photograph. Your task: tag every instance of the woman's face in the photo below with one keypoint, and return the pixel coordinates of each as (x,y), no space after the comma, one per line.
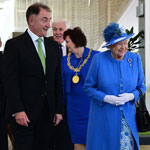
(70,44)
(118,50)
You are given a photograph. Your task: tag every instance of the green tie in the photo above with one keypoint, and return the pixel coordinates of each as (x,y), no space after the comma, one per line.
(41,54)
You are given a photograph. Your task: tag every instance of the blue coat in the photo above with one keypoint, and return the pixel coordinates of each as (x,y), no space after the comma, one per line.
(77,103)
(108,76)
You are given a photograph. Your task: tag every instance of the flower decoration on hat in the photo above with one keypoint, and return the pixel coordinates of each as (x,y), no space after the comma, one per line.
(114,34)
(111,31)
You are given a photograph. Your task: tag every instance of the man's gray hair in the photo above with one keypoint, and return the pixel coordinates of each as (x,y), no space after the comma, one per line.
(61,20)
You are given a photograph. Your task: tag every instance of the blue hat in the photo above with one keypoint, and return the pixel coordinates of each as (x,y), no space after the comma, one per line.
(114,34)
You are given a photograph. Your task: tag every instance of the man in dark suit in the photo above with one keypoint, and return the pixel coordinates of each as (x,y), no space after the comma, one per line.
(63,139)
(3,124)
(32,78)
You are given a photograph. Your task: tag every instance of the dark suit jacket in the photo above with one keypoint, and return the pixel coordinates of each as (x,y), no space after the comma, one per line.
(3,124)
(26,86)
(67,50)
(2,95)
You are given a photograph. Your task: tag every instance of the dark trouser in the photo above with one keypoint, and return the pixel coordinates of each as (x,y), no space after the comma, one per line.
(63,137)
(37,136)
(3,133)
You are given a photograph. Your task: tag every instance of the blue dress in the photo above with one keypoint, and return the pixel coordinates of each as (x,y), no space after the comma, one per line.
(77,103)
(108,76)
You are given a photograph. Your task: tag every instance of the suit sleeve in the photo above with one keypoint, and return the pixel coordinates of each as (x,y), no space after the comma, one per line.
(58,87)
(11,76)
(2,95)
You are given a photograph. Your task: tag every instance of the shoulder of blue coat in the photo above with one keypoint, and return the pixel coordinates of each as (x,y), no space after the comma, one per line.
(96,54)
(95,51)
(86,52)
(104,53)
(131,54)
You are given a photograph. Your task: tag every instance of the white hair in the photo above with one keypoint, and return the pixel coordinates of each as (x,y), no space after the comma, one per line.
(61,20)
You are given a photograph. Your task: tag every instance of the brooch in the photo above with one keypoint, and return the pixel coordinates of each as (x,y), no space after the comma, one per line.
(130,61)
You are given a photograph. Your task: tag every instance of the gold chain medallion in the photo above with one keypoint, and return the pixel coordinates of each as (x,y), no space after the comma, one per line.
(75,78)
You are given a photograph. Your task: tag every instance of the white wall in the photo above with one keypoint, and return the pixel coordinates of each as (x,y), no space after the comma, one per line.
(6,20)
(128,19)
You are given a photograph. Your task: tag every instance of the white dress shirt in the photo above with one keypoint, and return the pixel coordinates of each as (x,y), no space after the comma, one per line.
(64,48)
(34,37)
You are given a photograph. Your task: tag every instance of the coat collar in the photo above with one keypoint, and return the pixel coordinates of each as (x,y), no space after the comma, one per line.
(85,53)
(115,60)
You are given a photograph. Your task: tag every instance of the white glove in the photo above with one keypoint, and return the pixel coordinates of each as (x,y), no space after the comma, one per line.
(125,97)
(114,100)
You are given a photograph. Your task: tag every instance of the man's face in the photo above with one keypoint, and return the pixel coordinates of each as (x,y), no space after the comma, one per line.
(58,31)
(39,24)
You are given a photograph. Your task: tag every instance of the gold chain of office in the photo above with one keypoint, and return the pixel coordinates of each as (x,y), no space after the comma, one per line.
(75,78)
(80,67)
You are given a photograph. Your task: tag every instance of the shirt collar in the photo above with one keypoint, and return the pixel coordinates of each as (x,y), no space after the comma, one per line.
(63,43)
(33,36)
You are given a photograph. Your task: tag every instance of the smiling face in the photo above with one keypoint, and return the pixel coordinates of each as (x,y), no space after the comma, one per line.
(39,24)
(118,50)
(58,31)
(70,44)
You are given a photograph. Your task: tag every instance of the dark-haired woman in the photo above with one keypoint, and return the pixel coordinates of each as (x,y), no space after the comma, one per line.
(74,69)
(112,83)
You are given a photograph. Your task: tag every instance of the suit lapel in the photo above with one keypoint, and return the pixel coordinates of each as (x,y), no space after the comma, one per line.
(49,50)
(32,51)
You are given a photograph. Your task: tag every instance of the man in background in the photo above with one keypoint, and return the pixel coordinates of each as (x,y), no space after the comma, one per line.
(59,27)
(63,138)
(32,80)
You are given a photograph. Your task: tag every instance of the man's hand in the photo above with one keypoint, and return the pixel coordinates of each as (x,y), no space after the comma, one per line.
(22,119)
(57,119)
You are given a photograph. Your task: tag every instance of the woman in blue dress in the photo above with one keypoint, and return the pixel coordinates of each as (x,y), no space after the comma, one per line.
(112,82)
(74,69)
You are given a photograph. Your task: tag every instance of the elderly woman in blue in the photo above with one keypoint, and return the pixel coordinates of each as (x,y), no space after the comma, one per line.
(74,69)
(112,82)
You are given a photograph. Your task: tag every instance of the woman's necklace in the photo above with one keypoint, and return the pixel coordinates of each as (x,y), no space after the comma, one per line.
(75,78)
